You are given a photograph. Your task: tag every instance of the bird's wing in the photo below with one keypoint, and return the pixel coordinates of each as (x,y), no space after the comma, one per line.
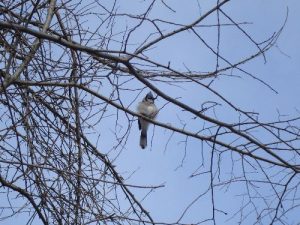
(139,122)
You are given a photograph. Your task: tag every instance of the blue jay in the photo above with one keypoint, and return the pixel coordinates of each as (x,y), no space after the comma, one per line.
(146,108)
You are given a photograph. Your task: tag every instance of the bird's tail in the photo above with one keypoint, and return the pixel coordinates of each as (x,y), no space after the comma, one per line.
(143,139)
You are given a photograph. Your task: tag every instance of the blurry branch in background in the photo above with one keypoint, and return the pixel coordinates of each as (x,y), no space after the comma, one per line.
(61,80)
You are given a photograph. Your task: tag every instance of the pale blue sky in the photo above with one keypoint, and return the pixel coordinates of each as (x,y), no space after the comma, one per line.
(159,165)
(281,72)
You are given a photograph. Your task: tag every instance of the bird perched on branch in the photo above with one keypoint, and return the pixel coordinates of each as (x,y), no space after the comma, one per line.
(146,108)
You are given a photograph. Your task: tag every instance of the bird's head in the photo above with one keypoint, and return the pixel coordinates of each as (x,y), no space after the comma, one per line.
(149,97)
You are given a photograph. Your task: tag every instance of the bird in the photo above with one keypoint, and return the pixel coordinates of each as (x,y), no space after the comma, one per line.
(146,108)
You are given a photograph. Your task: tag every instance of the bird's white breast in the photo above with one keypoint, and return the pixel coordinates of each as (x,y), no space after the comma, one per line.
(147,109)
(151,109)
